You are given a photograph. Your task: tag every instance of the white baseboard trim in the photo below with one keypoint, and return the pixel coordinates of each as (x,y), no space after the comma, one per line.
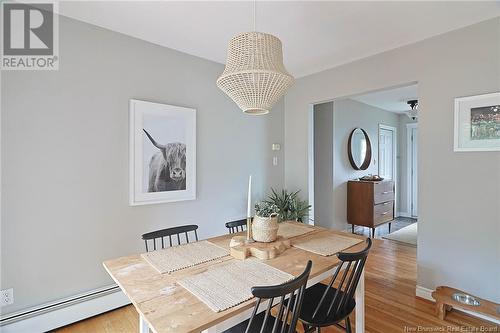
(426,293)
(47,320)
(403,214)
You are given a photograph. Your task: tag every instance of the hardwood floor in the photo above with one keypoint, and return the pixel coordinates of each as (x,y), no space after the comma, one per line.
(122,320)
(391,305)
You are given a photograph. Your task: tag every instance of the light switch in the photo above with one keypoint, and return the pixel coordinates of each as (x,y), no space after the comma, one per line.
(276,146)
(275,160)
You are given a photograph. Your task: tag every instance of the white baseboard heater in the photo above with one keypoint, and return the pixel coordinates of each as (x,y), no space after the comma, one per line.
(65,311)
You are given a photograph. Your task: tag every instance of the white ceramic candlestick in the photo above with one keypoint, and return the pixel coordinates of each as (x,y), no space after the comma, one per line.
(249,212)
(249,204)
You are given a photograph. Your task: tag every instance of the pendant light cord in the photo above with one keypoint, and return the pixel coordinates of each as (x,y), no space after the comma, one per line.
(254,15)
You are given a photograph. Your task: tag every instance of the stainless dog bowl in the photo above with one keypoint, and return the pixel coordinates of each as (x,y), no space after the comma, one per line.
(466,299)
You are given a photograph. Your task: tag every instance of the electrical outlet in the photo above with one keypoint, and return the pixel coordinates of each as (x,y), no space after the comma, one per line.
(6,297)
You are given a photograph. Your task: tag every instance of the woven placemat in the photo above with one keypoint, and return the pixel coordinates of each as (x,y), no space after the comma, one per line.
(228,285)
(326,245)
(174,258)
(289,230)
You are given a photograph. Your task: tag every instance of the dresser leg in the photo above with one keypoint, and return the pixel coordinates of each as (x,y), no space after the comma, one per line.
(373,232)
(389,227)
(352,228)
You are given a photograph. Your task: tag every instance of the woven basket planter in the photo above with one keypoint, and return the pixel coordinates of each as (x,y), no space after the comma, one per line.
(265,229)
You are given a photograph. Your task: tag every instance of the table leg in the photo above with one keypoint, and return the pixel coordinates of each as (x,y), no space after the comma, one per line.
(360,304)
(143,325)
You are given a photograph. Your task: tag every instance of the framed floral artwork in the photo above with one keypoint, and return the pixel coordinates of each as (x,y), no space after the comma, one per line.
(477,123)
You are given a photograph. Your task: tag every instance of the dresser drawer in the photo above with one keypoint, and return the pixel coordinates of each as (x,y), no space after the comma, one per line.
(383,212)
(383,191)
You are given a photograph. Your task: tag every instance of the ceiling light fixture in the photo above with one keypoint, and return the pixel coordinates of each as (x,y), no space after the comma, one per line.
(255,77)
(413,113)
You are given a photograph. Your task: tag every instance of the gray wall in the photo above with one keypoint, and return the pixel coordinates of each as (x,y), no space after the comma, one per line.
(65,159)
(459,193)
(323,163)
(333,123)
(349,114)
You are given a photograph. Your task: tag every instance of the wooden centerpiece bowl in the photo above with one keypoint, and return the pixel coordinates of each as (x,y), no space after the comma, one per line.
(240,249)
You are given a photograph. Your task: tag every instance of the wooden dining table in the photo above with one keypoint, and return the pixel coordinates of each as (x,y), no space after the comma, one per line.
(166,307)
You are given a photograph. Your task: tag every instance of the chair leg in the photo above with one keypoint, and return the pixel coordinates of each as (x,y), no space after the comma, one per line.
(348,325)
(143,325)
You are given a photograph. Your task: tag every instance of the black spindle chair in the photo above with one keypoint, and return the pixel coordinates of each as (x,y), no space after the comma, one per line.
(336,301)
(174,233)
(236,226)
(286,318)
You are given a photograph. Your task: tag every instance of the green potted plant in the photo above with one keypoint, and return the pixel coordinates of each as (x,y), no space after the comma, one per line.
(290,206)
(265,222)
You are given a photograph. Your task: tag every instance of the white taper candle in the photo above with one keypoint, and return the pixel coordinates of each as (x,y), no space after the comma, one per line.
(249,208)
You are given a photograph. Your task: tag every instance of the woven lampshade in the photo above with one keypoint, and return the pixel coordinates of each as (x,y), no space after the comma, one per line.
(255,77)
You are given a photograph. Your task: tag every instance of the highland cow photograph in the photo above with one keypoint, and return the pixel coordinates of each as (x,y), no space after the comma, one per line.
(164,140)
(164,152)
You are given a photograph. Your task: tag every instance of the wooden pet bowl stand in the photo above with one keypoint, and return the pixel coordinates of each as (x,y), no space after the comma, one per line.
(445,302)
(242,250)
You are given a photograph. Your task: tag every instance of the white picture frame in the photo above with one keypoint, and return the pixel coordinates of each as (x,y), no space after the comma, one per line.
(172,133)
(469,132)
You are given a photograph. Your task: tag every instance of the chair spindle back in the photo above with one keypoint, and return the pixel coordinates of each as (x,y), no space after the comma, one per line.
(174,233)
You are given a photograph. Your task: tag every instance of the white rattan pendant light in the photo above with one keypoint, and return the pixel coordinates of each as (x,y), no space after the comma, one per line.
(255,77)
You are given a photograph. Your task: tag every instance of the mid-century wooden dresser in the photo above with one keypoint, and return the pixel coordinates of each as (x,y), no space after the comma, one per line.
(370,203)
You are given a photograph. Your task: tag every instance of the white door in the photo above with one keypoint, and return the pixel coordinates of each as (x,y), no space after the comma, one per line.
(414,173)
(387,146)
(387,152)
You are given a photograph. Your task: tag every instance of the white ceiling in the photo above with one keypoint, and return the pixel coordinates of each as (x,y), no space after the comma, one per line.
(393,100)
(315,35)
